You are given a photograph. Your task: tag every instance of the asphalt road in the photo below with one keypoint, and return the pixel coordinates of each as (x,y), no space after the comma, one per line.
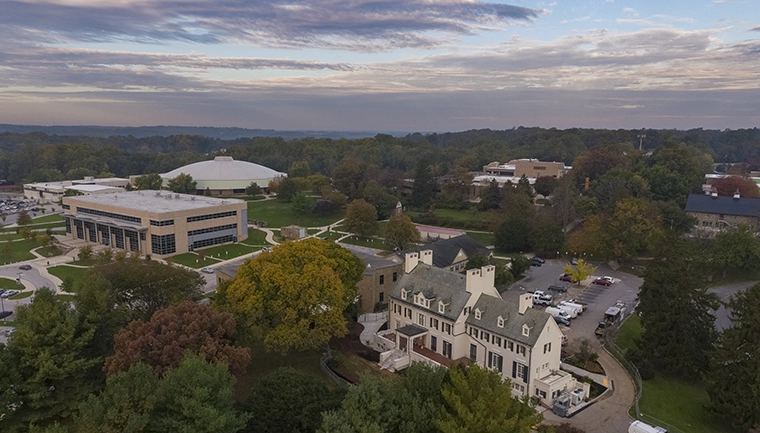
(598,298)
(32,276)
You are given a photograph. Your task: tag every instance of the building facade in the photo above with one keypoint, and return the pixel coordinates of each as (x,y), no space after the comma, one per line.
(155,222)
(379,276)
(531,168)
(54,191)
(713,212)
(443,318)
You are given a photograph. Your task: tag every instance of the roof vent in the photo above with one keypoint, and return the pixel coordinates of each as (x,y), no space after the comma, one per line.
(223,158)
(737,195)
(714,194)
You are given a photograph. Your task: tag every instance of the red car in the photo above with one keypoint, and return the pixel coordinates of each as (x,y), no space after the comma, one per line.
(566,277)
(604,281)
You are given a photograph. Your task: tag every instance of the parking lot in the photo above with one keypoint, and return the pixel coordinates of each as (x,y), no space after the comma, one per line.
(599,298)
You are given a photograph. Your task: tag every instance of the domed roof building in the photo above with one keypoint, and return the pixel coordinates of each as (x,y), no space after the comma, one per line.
(224,175)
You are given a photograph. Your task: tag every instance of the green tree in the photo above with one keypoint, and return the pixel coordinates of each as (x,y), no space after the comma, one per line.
(673,301)
(491,197)
(582,270)
(361,218)
(295,296)
(400,233)
(616,185)
(299,169)
(278,393)
(423,191)
(545,185)
(349,176)
(126,405)
(519,264)
(253,189)
(545,236)
(172,332)
(23,218)
(70,192)
(287,189)
(380,198)
(524,187)
(302,205)
(737,248)
(197,397)
(149,181)
(474,395)
(47,350)
(512,235)
(183,184)
(635,227)
(734,376)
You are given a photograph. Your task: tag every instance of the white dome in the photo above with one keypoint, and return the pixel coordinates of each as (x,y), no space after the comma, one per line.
(224,173)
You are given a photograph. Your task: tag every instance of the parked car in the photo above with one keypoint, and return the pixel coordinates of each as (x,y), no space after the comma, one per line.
(534,262)
(542,299)
(207,270)
(9,332)
(571,311)
(2,291)
(580,308)
(556,312)
(4,314)
(562,321)
(266,249)
(561,288)
(603,282)
(8,293)
(566,277)
(574,261)
(25,267)
(538,259)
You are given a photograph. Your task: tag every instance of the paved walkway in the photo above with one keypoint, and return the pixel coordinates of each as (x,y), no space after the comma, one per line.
(609,415)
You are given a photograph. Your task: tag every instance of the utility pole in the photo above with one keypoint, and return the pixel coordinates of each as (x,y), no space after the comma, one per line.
(641,138)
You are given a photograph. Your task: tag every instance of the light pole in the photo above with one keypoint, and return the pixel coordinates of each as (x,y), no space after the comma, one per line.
(641,138)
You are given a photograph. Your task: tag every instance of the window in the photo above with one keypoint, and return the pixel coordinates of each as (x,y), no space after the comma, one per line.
(511,346)
(495,361)
(525,330)
(211,216)
(162,223)
(486,336)
(382,297)
(68,225)
(212,229)
(441,307)
(540,393)
(497,340)
(421,319)
(117,216)
(500,322)
(473,353)
(395,276)
(447,328)
(403,293)
(160,245)
(434,323)
(477,314)
(213,241)
(521,349)
(519,371)
(66,207)
(447,349)
(433,343)
(547,347)
(382,279)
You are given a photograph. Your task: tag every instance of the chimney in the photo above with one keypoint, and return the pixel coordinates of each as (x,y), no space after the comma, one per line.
(478,281)
(737,196)
(525,302)
(426,257)
(410,261)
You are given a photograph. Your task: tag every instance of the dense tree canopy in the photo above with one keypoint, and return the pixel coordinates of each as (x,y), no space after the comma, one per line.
(361,218)
(294,297)
(401,233)
(183,184)
(150,181)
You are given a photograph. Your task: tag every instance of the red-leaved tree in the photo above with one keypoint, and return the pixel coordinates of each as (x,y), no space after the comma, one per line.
(728,186)
(171,332)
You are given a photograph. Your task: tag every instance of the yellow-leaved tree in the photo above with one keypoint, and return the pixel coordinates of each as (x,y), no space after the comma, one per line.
(294,297)
(581,271)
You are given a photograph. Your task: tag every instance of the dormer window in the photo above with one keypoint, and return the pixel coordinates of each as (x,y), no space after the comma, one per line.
(525,330)
(500,322)
(441,307)
(477,314)
(403,294)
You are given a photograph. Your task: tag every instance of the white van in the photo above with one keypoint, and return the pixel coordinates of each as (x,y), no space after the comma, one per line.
(641,427)
(556,312)
(571,312)
(577,307)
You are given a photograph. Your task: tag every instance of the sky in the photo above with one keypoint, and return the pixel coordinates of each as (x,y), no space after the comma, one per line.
(384,65)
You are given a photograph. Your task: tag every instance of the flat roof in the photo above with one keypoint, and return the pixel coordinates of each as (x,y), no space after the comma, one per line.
(153,201)
(93,188)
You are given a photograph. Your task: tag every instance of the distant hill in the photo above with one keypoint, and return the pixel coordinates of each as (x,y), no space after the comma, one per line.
(165,131)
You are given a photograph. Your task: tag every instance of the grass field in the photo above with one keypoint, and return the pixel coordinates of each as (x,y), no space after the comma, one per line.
(12,252)
(7,283)
(256,238)
(189,260)
(21,295)
(49,251)
(263,363)
(484,239)
(62,272)
(278,213)
(676,402)
(48,219)
(230,251)
(10,237)
(365,242)
(65,297)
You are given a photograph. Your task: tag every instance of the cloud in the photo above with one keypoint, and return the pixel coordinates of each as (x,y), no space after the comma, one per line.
(358,25)
(755,29)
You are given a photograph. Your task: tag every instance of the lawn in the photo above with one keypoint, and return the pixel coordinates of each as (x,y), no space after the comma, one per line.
(365,242)
(7,283)
(10,237)
(12,252)
(85,262)
(256,238)
(484,239)
(49,251)
(65,297)
(670,400)
(48,219)
(263,363)
(192,260)
(63,271)
(229,251)
(330,236)
(278,213)
(21,295)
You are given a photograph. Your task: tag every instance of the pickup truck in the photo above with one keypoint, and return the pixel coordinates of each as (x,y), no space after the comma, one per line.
(599,331)
(541,298)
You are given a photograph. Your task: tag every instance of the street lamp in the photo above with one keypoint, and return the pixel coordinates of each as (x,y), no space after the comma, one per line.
(641,138)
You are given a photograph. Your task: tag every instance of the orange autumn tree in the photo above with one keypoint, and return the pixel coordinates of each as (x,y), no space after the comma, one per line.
(163,341)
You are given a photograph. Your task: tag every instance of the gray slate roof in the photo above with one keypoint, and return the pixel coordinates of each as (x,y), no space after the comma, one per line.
(436,284)
(491,308)
(445,250)
(745,206)
(411,330)
(372,262)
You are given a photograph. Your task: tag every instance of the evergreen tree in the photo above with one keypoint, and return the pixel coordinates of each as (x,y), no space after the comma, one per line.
(423,191)
(491,197)
(734,379)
